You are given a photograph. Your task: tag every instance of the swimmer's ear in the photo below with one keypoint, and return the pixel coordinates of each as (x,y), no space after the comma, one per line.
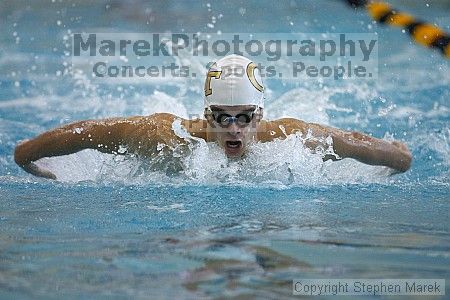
(208,115)
(259,114)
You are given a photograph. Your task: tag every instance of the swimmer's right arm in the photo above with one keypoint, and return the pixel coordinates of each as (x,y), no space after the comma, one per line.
(356,145)
(104,135)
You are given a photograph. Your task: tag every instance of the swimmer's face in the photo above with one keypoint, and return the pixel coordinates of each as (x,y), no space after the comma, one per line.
(233,127)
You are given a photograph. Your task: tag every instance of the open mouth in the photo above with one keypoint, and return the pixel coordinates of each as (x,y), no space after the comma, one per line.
(233,144)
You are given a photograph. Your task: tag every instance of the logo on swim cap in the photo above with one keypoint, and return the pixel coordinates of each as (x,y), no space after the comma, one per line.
(234,80)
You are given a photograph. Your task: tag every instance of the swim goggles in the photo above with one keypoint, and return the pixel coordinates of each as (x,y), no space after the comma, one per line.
(224,120)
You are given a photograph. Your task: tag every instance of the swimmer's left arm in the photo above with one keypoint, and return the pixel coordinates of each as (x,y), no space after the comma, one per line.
(361,147)
(371,150)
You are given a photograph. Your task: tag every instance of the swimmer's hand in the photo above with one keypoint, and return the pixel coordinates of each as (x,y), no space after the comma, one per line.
(34,169)
(21,156)
(405,157)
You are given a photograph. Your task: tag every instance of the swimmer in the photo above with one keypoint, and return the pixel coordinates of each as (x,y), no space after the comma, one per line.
(233,111)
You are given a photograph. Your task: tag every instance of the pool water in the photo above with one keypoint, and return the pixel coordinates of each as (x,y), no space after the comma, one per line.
(116,227)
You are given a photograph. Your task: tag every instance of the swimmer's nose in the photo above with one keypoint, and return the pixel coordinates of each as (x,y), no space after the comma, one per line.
(233,129)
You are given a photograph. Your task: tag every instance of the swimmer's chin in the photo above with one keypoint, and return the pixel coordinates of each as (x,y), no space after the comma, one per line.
(238,153)
(234,155)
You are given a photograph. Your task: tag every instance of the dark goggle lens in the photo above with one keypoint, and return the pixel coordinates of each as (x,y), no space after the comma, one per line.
(241,119)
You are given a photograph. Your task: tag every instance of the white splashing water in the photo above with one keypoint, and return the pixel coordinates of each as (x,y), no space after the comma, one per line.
(279,163)
(311,104)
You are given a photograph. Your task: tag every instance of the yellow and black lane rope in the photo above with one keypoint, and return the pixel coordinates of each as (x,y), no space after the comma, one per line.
(421,32)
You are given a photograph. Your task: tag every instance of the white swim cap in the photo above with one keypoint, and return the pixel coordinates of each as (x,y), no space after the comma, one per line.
(234,80)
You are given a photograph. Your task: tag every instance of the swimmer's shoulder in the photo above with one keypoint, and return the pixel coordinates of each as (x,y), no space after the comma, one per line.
(144,134)
(146,125)
(280,128)
(161,125)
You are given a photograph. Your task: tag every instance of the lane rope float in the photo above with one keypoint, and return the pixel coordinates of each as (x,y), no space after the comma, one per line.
(421,32)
